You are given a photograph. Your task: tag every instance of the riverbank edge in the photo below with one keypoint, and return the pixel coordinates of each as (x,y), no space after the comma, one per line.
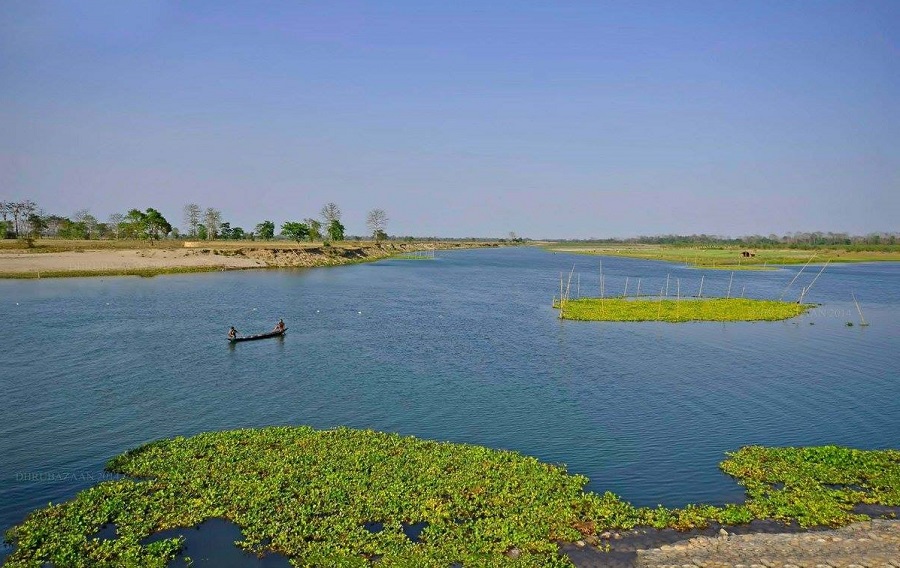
(264,256)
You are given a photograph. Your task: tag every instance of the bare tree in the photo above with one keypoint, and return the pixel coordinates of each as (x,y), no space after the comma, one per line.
(22,210)
(212,218)
(84,217)
(114,222)
(17,210)
(376,221)
(192,218)
(331,212)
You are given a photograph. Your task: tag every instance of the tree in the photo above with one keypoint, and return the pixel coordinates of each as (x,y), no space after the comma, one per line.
(192,218)
(201,232)
(376,221)
(155,224)
(212,218)
(5,211)
(266,230)
(115,223)
(84,217)
(36,224)
(335,230)
(29,208)
(331,212)
(295,230)
(54,225)
(238,233)
(315,229)
(15,210)
(21,210)
(134,225)
(225,230)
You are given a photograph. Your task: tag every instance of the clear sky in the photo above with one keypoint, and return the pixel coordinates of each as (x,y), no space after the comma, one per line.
(460,118)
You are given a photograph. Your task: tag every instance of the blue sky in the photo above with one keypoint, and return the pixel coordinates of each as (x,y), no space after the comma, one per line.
(463,118)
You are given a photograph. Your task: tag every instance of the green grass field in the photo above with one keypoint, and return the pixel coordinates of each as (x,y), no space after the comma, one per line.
(311,494)
(669,310)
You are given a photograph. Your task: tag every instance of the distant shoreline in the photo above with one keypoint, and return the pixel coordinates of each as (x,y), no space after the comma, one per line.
(65,259)
(721,257)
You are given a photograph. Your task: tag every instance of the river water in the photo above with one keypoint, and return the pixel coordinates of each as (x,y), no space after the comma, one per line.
(465,348)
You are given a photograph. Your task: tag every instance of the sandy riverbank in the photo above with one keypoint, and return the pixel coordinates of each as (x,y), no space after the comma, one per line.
(26,263)
(118,260)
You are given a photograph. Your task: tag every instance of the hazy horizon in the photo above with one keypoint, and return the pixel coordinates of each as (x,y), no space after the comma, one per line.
(577,120)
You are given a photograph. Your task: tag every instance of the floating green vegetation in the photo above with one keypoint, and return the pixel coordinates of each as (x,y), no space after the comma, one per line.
(669,310)
(817,485)
(314,495)
(309,495)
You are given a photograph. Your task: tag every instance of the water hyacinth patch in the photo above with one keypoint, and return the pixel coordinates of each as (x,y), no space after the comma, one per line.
(310,494)
(669,310)
(815,486)
(357,497)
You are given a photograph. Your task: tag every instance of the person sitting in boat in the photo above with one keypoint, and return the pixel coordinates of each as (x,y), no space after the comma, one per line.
(232,333)
(279,326)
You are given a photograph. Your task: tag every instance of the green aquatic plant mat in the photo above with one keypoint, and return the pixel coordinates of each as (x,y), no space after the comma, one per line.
(315,495)
(816,486)
(310,494)
(669,310)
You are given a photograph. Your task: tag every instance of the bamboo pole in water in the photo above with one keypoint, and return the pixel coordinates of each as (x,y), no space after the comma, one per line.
(638,295)
(862,320)
(807,289)
(667,285)
(700,293)
(730,280)
(625,293)
(568,289)
(560,290)
(677,298)
(659,304)
(791,283)
(578,293)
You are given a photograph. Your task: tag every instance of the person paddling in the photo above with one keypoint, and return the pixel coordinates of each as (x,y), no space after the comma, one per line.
(279,326)
(232,333)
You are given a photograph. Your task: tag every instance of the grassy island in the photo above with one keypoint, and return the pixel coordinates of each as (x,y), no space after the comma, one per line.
(668,310)
(315,496)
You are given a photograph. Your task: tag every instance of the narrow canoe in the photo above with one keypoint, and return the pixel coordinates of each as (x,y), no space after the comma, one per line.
(258,336)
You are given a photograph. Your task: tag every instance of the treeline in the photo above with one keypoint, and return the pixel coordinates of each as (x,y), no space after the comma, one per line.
(24,219)
(798,240)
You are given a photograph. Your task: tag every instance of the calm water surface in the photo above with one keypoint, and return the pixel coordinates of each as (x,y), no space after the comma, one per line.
(463,348)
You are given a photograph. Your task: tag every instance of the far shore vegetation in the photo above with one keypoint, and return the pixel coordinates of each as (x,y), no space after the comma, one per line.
(746,253)
(683,310)
(24,224)
(350,497)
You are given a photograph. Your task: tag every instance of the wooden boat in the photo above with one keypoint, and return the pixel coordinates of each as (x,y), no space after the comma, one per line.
(258,336)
